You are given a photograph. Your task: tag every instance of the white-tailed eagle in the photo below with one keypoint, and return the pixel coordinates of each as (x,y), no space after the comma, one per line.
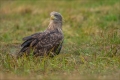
(44,43)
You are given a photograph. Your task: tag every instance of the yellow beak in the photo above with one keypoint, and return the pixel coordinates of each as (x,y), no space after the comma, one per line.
(53,17)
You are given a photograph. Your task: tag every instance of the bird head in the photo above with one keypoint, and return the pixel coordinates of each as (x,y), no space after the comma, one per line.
(55,16)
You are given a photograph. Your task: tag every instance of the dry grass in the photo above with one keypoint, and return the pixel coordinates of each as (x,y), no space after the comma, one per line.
(91,47)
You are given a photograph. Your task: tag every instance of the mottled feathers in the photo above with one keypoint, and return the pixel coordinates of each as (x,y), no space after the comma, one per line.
(45,43)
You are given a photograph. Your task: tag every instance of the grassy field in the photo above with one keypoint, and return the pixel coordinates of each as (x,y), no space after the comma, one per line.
(91,49)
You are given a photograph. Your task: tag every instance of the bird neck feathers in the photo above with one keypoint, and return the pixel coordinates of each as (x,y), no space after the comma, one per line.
(55,25)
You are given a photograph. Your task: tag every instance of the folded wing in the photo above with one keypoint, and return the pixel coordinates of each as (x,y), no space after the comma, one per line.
(42,43)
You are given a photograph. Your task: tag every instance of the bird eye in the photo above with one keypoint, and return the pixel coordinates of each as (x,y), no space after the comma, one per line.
(56,15)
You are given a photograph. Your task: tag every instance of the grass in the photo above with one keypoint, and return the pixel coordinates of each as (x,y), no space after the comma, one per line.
(91,47)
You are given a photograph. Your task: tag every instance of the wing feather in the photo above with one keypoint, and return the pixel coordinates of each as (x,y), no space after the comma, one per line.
(31,36)
(46,40)
(34,42)
(26,43)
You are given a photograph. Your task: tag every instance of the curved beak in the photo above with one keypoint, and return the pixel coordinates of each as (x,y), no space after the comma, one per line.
(53,17)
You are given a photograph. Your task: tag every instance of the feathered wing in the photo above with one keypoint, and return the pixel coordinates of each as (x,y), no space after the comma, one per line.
(42,43)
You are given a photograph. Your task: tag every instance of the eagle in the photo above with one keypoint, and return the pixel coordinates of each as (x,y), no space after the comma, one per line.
(46,43)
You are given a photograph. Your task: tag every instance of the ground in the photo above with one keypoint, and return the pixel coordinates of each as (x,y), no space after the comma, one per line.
(91,48)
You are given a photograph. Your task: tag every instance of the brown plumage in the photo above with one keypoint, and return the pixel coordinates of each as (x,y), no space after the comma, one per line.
(44,43)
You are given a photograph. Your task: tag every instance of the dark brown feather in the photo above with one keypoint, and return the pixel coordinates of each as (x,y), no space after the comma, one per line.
(47,40)
(44,43)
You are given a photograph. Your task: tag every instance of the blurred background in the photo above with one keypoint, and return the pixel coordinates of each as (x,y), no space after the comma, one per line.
(91,35)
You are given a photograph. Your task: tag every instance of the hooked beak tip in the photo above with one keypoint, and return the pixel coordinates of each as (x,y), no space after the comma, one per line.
(53,17)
